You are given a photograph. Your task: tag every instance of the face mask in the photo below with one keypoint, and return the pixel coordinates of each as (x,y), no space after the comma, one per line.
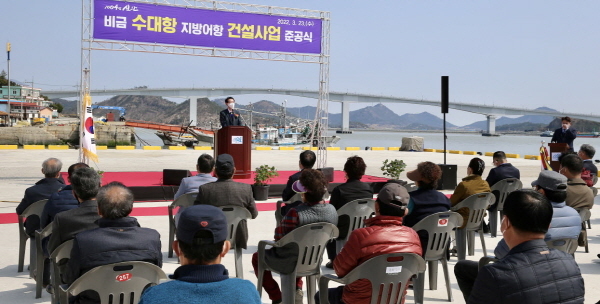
(231,105)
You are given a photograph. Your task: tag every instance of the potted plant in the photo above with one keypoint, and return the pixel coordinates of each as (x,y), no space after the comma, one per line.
(393,169)
(263,175)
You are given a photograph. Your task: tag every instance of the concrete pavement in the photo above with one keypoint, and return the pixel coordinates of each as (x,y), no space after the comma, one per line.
(20,169)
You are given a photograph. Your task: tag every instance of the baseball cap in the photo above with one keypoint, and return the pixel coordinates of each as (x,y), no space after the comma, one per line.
(393,192)
(551,180)
(225,161)
(202,217)
(298,187)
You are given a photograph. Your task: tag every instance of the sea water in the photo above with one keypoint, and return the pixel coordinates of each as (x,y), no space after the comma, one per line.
(516,144)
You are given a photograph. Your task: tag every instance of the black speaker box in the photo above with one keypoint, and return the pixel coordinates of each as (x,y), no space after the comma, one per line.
(445,94)
(327,173)
(448,180)
(174,176)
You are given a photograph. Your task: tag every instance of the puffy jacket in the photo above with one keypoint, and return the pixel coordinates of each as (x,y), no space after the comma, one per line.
(532,274)
(382,235)
(566,223)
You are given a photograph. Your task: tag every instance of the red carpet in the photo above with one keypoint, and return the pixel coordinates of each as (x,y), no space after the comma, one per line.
(145,179)
(11,218)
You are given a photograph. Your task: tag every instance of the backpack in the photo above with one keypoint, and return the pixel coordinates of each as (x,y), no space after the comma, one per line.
(586,175)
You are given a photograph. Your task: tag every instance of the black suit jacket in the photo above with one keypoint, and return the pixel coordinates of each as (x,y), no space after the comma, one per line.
(501,172)
(288,193)
(69,223)
(565,138)
(43,189)
(228,119)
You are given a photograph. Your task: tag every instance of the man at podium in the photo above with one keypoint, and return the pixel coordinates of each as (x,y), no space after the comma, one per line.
(565,134)
(229,117)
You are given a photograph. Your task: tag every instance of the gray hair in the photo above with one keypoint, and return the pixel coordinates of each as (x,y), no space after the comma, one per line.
(588,150)
(85,183)
(51,167)
(115,201)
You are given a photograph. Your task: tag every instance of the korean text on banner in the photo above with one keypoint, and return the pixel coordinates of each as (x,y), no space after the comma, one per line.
(88,141)
(152,23)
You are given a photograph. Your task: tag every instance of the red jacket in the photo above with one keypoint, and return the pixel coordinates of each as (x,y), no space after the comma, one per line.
(382,235)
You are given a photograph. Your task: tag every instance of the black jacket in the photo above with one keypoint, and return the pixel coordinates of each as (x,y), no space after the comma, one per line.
(566,138)
(114,241)
(288,193)
(228,119)
(69,223)
(352,189)
(58,202)
(43,189)
(530,273)
(501,172)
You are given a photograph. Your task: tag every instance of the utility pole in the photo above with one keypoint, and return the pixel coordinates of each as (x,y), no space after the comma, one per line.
(284,110)
(8,74)
(251,110)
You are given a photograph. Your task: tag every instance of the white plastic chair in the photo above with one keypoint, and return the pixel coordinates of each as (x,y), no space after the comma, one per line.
(311,240)
(504,188)
(388,276)
(183,201)
(234,215)
(478,205)
(439,228)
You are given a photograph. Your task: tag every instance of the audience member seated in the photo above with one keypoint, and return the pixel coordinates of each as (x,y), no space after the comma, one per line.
(118,238)
(472,184)
(226,191)
(307,161)
(530,272)
(85,183)
(352,189)
(62,200)
(587,152)
(566,222)
(205,166)
(426,200)
(579,195)
(503,169)
(42,189)
(383,234)
(312,185)
(201,244)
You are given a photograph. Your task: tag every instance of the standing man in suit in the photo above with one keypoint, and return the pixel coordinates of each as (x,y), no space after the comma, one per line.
(565,134)
(229,117)
(225,191)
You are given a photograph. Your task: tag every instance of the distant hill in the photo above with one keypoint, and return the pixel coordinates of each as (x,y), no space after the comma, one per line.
(535,119)
(581,125)
(157,109)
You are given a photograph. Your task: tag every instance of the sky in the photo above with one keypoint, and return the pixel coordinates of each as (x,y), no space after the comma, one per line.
(511,53)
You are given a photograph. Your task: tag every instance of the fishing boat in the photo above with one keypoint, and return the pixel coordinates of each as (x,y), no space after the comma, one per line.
(589,135)
(547,133)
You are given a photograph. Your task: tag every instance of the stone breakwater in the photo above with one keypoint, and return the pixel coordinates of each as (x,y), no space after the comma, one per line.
(108,135)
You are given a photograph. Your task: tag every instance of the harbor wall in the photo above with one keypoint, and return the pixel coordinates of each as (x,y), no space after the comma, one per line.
(108,135)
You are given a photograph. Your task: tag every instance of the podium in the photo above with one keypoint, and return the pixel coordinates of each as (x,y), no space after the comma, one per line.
(236,141)
(555,150)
